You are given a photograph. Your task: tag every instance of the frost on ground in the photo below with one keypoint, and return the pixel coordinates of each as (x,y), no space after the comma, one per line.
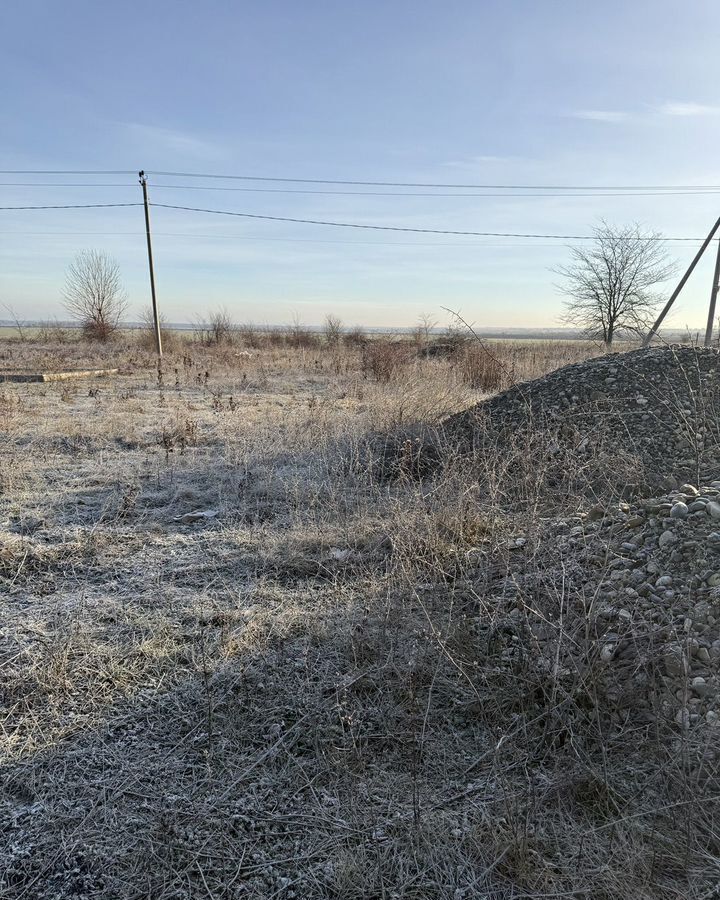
(493,676)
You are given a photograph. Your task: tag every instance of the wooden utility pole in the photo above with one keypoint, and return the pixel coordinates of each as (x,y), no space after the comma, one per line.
(713,300)
(156,317)
(681,285)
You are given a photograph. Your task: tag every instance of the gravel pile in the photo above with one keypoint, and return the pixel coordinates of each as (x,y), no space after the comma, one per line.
(641,575)
(652,570)
(636,625)
(660,406)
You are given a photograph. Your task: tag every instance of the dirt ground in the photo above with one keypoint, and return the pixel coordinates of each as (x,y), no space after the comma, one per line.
(290,696)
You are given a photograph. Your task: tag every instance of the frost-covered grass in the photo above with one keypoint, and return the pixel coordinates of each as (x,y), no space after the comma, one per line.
(322,691)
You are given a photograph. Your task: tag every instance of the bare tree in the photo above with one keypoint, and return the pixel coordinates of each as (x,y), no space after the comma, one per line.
(94,294)
(218,328)
(609,284)
(423,332)
(298,335)
(14,316)
(221,326)
(333,330)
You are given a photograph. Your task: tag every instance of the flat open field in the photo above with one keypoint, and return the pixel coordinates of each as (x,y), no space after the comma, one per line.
(247,652)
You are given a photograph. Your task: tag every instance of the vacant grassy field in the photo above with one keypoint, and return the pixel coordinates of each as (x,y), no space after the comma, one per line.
(306,692)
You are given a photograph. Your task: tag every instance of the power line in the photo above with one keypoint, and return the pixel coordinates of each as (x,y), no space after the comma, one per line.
(599,192)
(64,184)
(651,193)
(396,228)
(508,234)
(264,238)
(68,172)
(425,184)
(505,187)
(73,206)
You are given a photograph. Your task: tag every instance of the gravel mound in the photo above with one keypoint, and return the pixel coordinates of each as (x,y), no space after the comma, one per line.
(660,407)
(652,571)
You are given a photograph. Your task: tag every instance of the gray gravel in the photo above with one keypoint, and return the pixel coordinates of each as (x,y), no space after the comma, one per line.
(642,566)
(659,406)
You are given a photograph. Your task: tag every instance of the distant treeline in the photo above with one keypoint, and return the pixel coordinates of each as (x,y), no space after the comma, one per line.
(515,334)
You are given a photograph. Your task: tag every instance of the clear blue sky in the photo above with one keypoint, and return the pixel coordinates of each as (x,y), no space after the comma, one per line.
(520,91)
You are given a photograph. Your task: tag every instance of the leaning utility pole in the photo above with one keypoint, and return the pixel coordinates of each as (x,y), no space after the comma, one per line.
(681,285)
(156,317)
(713,300)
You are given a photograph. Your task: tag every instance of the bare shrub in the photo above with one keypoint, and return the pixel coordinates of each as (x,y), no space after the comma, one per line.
(531,359)
(333,329)
(251,337)
(146,333)
(277,337)
(94,294)
(19,324)
(221,326)
(382,359)
(53,333)
(422,333)
(217,329)
(355,337)
(479,369)
(299,336)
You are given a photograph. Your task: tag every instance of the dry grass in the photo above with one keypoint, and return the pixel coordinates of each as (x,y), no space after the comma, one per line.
(343,685)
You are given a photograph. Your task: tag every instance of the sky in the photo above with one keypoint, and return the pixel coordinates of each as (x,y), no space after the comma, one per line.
(555,93)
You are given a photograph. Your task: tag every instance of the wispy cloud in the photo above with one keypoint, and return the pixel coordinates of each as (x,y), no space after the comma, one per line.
(482,160)
(688,109)
(601,115)
(670,108)
(170,140)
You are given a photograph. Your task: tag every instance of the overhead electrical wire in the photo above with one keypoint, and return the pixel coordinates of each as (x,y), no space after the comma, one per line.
(68,172)
(661,190)
(506,187)
(254,237)
(508,234)
(64,184)
(333,224)
(73,206)
(418,184)
(657,192)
